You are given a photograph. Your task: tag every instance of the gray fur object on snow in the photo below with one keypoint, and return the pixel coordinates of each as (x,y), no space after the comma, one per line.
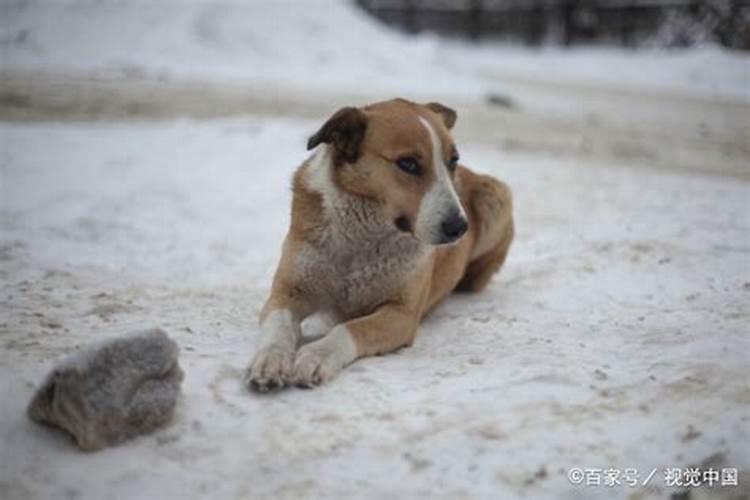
(112,391)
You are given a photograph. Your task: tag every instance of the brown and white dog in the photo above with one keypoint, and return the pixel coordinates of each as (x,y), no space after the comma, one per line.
(385,224)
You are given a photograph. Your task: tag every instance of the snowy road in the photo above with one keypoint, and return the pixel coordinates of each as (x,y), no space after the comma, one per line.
(616,336)
(673,130)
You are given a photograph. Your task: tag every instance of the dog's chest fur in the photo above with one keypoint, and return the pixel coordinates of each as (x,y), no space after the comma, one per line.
(358,259)
(351,278)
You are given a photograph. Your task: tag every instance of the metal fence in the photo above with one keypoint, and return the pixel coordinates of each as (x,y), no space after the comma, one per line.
(629,23)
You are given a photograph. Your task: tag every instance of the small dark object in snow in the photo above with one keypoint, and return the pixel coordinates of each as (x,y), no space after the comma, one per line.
(538,475)
(112,391)
(691,434)
(501,101)
(600,374)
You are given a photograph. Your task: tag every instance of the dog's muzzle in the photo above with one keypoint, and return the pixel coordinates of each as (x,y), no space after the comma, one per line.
(452,228)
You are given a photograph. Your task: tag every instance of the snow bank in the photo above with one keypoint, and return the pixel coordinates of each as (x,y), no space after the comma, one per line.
(302,44)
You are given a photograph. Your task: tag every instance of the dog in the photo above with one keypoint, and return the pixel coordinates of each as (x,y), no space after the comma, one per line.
(385,224)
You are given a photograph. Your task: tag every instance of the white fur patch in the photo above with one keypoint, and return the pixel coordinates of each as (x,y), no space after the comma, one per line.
(441,199)
(319,176)
(338,345)
(346,348)
(279,329)
(323,359)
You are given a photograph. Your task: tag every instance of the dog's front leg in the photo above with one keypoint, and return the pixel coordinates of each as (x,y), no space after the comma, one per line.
(280,332)
(391,326)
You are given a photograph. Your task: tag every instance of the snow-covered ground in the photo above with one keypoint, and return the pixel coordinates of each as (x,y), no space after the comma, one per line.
(618,325)
(616,336)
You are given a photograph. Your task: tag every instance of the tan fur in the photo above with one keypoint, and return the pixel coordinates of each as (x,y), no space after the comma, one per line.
(344,255)
(490,205)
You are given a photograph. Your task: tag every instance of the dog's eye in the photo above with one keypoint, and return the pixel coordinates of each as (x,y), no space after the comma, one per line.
(453,163)
(409,165)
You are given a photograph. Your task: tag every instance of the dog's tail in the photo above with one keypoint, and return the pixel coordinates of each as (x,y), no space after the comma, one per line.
(490,204)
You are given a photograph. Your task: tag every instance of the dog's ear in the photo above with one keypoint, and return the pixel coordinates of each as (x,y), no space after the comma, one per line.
(447,114)
(345,130)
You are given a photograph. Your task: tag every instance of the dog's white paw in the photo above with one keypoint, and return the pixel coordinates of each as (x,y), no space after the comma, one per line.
(321,360)
(312,368)
(271,369)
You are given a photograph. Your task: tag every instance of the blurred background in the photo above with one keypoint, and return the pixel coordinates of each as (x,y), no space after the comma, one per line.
(624,23)
(146,152)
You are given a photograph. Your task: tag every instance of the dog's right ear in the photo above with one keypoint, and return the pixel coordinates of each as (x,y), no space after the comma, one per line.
(345,130)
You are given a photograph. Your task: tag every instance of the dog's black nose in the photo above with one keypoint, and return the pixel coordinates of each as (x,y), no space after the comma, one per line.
(454,227)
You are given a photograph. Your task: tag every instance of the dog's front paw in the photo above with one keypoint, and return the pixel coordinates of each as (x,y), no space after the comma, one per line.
(312,368)
(321,360)
(270,370)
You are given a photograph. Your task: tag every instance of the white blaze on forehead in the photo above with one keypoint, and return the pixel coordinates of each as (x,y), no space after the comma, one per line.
(441,199)
(441,170)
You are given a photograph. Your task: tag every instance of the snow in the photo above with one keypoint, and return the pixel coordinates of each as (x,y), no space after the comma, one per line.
(705,70)
(227,40)
(103,238)
(615,336)
(328,44)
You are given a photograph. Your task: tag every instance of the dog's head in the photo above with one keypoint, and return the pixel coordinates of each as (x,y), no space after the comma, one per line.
(401,154)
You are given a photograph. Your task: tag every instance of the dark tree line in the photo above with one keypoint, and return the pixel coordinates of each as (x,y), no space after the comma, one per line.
(632,23)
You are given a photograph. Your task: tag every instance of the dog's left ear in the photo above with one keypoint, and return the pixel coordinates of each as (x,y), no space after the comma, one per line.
(447,114)
(345,130)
